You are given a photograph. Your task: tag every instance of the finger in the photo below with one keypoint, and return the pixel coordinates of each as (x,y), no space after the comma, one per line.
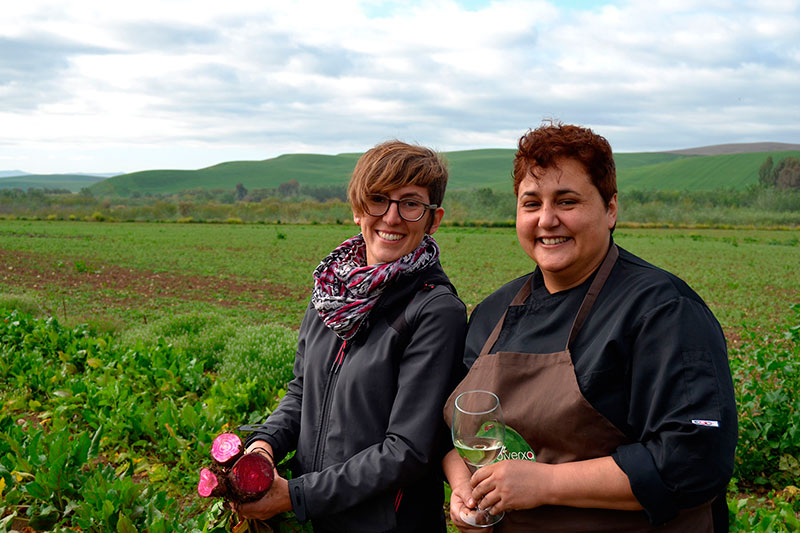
(463,499)
(455,516)
(458,512)
(456,504)
(480,475)
(480,491)
(465,516)
(490,499)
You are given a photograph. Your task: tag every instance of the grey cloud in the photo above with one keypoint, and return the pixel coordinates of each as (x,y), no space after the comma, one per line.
(276,50)
(31,68)
(330,62)
(168,37)
(37,54)
(217,89)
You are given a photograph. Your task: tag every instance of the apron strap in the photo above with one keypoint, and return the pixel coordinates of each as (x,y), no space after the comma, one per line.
(519,299)
(594,289)
(583,312)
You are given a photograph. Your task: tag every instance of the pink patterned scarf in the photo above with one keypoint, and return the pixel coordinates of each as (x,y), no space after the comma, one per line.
(346,288)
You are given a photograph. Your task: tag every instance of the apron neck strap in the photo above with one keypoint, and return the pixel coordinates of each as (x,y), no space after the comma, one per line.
(588,301)
(594,289)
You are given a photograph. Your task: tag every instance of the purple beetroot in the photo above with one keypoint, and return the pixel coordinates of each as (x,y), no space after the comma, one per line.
(250,478)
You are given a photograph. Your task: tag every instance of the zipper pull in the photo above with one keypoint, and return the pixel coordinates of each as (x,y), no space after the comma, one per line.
(339,359)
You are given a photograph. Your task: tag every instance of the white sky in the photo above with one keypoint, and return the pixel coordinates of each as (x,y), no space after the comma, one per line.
(119,86)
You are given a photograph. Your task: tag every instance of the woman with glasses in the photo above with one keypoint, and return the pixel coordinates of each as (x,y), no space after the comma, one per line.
(379,350)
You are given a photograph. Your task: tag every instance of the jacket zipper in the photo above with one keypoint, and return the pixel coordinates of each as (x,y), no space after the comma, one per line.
(330,385)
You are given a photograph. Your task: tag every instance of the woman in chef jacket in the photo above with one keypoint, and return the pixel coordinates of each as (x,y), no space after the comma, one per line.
(613,371)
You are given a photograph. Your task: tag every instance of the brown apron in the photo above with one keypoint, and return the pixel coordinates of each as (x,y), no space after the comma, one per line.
(542,401)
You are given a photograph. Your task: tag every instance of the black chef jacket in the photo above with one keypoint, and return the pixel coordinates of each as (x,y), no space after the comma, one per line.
(652,359)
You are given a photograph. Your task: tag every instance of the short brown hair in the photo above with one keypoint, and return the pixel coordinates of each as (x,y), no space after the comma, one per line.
(395,164)
(545,145)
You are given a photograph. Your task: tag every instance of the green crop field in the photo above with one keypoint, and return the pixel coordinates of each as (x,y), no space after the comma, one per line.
(748,276)
(125,347)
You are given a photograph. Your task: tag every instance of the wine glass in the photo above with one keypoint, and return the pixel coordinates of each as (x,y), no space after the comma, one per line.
(478,434)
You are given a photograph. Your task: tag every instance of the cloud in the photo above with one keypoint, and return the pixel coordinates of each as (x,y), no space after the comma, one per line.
(30,67)
(186,84)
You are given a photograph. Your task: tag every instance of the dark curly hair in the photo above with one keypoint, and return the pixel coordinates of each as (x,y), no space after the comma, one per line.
(545,145)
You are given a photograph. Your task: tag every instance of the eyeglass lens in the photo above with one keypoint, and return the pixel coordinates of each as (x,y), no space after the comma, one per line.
(410,210)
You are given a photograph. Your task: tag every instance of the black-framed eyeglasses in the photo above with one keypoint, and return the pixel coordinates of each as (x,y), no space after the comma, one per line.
(410,210)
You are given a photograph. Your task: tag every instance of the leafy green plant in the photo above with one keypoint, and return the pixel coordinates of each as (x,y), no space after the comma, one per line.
(767,377)
(46,470)
(152,408)
(774,512)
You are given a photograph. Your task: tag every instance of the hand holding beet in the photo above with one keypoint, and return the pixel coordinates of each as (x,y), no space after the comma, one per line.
(234,475)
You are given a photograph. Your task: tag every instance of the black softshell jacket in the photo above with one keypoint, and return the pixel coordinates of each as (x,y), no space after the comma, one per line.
(365,415)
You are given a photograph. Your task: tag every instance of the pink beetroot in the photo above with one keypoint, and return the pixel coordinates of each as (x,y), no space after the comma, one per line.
(235,476)
(226,449)
(210,485)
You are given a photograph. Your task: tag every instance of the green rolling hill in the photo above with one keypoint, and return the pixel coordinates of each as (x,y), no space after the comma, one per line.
(307,169)
(468,169)
(698,173)
(71,182)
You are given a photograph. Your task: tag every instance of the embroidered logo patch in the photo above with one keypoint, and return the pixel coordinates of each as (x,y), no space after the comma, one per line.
(707,423)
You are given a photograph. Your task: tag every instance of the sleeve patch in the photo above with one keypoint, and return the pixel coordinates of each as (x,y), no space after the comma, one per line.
(707,423)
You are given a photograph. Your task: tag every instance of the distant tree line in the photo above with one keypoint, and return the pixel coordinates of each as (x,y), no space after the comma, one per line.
(767,203)
(35,191)
(290,190)
(784,176)
(293,189)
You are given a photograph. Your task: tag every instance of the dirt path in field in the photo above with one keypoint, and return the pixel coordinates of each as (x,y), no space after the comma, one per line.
(108,285)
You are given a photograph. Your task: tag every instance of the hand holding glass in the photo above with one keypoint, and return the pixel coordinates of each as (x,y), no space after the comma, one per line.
(478,435)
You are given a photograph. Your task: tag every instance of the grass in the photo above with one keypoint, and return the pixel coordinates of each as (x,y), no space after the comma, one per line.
(21,302)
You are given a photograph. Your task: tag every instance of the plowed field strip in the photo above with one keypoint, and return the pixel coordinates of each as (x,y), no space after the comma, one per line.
(115,285)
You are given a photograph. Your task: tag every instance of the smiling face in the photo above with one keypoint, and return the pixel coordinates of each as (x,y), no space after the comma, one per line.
(389,237)
(563,223)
